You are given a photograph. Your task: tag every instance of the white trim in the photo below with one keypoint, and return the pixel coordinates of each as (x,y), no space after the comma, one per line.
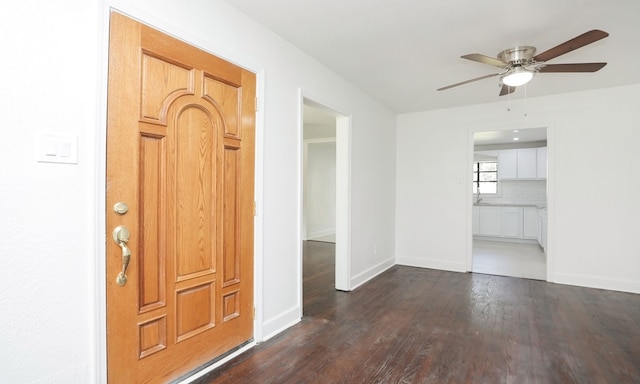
(258,234)
(301,232)
(597,282)
(281,322)
(420,262)
(217,364)
(372,272)
(320,233)
(490,126)
(550,247)
(343,193)
(343,203)
(100,320)
(99,361)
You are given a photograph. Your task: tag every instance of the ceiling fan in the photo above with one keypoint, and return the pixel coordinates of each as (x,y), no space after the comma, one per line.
(519,63)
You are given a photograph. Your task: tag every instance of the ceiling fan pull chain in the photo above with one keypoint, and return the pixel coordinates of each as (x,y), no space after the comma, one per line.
(525,100)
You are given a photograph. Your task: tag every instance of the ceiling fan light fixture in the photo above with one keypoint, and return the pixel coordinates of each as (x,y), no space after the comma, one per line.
(517,77)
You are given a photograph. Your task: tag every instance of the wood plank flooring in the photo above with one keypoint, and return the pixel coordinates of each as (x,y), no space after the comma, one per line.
(412,325)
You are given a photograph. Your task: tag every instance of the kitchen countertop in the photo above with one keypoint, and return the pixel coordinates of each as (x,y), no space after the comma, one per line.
(481,204)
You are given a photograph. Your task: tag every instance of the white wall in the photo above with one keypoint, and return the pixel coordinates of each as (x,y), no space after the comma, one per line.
(320,188)
(593,184)
(51,230)
(48,81)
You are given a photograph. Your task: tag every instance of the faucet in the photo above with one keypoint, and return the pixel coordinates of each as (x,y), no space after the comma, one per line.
(478,197)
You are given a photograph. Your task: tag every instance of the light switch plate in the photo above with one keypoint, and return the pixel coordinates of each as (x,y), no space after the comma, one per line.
(55,147)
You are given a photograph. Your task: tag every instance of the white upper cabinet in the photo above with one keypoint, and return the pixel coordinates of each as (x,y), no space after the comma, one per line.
(541,162)
(528,163)
(508,164)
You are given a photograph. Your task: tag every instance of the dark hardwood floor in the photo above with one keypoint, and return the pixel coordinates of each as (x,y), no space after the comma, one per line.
(412,325)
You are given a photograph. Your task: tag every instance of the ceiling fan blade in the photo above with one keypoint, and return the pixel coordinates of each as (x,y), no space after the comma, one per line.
(570,45)
(581,67)
(485,60)
(506,90)
(468,81)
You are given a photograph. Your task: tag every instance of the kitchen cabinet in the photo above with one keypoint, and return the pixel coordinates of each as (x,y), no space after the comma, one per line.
(515,222)
(498,221)
(541,163)
(530,223)
(527,164)
(508,164)
(476,220)
(511,222)
(490,221)
(542,235)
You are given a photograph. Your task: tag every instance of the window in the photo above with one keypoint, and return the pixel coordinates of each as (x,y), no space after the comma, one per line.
(485,177)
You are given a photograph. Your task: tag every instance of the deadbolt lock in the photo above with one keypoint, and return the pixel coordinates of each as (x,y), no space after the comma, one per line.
(120,208)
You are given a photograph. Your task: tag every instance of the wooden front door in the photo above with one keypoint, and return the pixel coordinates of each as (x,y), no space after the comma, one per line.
(180,156)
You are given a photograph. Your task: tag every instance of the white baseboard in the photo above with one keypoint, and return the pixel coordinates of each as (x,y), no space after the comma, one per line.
(370,273)
(279,323)
(621,285)
(321,233)
(506,239)
(445,265)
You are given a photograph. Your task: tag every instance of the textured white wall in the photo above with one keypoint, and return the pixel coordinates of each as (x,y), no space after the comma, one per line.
(592,184)
(48,81)
(52,78)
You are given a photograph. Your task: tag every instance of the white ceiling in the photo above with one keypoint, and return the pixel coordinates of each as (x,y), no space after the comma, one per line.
(401,51)
(510,137)
(318,123)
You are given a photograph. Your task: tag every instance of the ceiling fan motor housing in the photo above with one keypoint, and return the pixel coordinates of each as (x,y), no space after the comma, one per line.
(517,56)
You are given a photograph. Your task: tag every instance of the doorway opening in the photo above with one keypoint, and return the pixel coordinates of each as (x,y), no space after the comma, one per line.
(325,185)
(509,203)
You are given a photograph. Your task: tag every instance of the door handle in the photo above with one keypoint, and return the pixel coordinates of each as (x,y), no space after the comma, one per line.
(121,237)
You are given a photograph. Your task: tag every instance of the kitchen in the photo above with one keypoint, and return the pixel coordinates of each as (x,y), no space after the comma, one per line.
(509,203)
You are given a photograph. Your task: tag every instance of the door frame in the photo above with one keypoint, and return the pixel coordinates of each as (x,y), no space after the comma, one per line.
(511,125)
(99,360)
(343,194)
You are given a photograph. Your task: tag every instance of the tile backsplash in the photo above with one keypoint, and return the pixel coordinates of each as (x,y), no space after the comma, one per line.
(519,192)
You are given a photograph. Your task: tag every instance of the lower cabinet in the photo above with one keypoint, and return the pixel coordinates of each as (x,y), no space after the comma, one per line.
(476,220)
(530,222)
(512,221)
(542,235)
(507,221)
(490,221)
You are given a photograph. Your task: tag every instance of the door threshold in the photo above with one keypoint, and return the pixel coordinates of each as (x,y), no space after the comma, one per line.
(197,373)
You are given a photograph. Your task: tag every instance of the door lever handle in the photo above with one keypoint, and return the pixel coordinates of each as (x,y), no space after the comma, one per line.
(121,237)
